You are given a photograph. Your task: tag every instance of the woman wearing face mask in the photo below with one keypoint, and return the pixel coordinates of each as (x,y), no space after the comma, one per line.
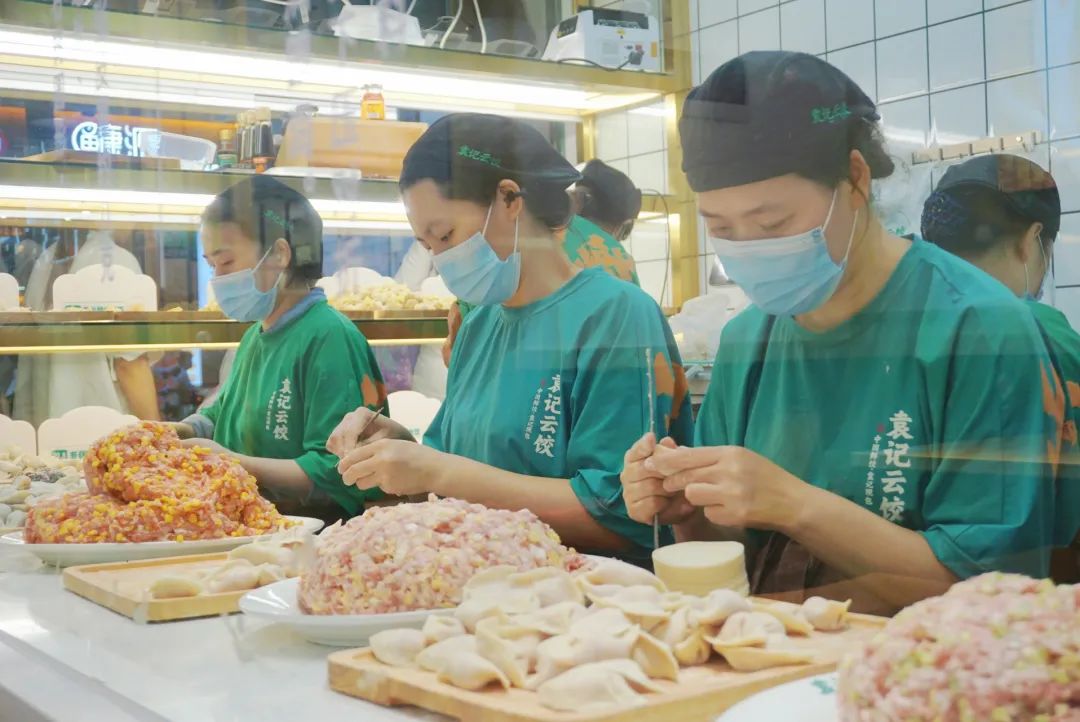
(879,420)
(556,379)
(1002,213)
(299,367)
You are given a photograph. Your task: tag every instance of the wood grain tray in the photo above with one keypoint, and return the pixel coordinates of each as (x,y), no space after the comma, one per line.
(123,588)
(700,695)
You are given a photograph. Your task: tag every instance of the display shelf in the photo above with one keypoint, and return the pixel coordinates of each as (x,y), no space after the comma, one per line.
(108,332)
(142,57)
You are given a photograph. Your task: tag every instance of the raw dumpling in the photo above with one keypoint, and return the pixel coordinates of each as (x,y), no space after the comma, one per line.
(175,588)
(714,609)
(643,605)
(694,650)
(558,654)
(774,654)
(439,627)
(794,623)
(236,575)
(747,629)
(655,658)
(595,687)
(551,585)
(398,647)
(471,671)
(446,652)
(553,620)
(269,573)
(826,615)
(606,620)
(488,582)
(686,639)
(292,555)
(611,571)
(524,641)
(492,592)
(502,654)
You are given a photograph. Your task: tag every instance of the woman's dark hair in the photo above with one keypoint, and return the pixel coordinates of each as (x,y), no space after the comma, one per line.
(468,154)
(266,209)
(970,220)
(611,198)
(863,135)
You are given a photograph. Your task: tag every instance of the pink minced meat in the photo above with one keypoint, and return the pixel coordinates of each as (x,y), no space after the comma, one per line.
(996,648)
(419,556)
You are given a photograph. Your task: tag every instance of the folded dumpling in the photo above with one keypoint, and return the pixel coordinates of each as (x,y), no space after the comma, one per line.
(553,620)
(655,658)
(612,571)
(471,671)
(643,605)
(439,627)
(773,654)
(826,615)
(686,639)
(398,647)
(502,654)
(714,609)
(794,623)
(550,584)
(558,654)
(593,688)
(522,640)
(747,629)
(600,620)
(439,655)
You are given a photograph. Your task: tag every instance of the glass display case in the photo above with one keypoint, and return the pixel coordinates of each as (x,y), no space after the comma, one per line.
(118,126)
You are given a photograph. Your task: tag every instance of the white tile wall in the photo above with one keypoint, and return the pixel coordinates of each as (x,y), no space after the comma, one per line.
(1063,31)
(907,121)
(1015,39)
(1018,104)
(752,6)
(649,242)
(1065,108)
(898,16)
(760,31)
(958,115)
(802,24)
(902,65)
(1065,166)
(649,171)
(612,136)
(942,10)
(1068,300)
(849,22)
(858,63)
(652,275)
(956,53)
(646,130)
(719,44)
(712,12)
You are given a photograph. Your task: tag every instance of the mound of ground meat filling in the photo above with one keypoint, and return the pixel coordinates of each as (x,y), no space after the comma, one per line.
(419,556)
(145,486)
(996,648)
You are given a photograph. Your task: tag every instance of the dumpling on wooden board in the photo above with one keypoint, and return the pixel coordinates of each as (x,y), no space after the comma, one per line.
(793,621)
(596,687)
(600,619)
(552,620)
(398,647)
(714,609)
(612,571)
(175,587)
(502,654)
(747,629)
(472,672)
(685,638)
(522,640)
(439,627)
(270,573)
(655,658)
(236,575)
(558,654)
(643,605)
(490,604)
(773,654)
(826,615)
(446,652)
(550,584)
(292,555)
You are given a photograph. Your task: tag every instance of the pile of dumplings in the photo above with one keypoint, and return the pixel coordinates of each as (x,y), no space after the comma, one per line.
(598,638)
(248,567)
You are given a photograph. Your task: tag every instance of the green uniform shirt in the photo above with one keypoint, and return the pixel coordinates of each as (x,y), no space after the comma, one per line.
(587,245)
(1064,344)
(289,389)
(559,389)
(935,407)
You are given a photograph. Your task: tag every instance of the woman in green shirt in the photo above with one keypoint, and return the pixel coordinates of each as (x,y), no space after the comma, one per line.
(884,419)
(550,378)
(300,366)
(1002,213)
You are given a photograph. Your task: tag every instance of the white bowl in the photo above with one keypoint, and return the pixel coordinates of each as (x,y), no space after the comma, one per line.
(814,698)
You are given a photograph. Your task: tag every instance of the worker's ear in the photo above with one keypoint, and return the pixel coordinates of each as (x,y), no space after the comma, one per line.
(282,253)
(511,199)
(1028,248)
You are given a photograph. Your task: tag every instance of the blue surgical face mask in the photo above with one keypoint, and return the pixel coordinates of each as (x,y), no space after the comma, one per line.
(785,276)
(1046,279)
(240,298)
(474,272)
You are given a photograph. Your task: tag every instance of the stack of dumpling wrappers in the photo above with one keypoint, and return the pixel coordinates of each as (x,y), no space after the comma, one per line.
(599,638)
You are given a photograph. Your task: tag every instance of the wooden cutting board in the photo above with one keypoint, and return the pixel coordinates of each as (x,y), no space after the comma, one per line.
(123,587)
(701,693)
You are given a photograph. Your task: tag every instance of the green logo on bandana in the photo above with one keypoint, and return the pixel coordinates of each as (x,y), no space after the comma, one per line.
(479,156)
(830,115)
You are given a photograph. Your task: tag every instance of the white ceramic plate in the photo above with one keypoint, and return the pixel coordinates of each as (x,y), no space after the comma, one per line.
(277,603)
(813,697)
(68,555)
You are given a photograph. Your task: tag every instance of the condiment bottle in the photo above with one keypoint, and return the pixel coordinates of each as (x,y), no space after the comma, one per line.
(226,156)
(373,105)
(262,146)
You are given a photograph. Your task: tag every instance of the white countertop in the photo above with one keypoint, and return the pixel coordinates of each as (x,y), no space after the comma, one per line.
(64,657)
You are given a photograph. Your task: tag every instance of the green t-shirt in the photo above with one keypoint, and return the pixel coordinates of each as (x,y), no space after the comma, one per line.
(559,389)
(935,407)
(289,389)
(1064,344)
(587,245)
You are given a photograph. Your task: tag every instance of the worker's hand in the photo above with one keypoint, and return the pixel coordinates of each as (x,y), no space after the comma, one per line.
(453,320)
(205,444)
(358,427)
(643,488)
(400,468)
(184,431)
(736,487)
